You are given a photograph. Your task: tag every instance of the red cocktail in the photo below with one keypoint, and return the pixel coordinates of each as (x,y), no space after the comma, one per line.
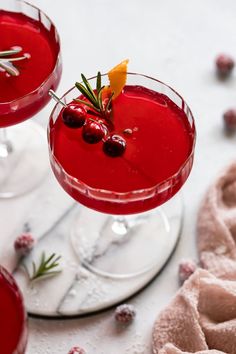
(157,131)
(41,49)
(30,65)
(159,142)
(13,334)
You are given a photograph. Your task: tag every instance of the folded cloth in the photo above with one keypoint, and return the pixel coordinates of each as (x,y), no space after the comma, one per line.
(216,226)
(171,349)
(201,318)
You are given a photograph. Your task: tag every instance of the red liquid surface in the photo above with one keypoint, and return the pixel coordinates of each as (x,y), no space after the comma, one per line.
(12,316)
(161,142)
(40,43)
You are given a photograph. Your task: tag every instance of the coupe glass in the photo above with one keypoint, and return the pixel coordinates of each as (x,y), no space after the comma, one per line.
(23,156)
(13,334)
(138,236)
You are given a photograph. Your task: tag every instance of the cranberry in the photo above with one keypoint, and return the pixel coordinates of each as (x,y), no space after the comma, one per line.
(93,132)
(125,313)
(230,119)
(114,145)
(74,116)
(186,268)
(224,65)
(76,350)
(24,244)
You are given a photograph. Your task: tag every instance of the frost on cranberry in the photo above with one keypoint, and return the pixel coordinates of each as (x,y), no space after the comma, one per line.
(224,65)
(125,313)
(186,268)
(76,350)
(230,120)
(24,244)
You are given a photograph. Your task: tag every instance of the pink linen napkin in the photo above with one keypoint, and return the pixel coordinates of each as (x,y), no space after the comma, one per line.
(171,349)
(216,227)
(201,318)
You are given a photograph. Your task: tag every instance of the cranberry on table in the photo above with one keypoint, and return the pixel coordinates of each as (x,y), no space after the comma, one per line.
(224,64)
(74,116)
(24,243)
(125,313)
(230,119)
(114,145)
(76,350)
(93,132)
(186,268)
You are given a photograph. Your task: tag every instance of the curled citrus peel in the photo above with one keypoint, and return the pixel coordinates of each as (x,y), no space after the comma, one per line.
(117,77)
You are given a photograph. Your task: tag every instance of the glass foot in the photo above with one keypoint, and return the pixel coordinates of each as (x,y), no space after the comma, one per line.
(23,159)
(94,283)
(123,247)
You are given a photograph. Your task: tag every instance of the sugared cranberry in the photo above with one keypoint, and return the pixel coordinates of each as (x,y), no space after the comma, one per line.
(186,268)
(114,145)
(224,65)
(76,350)
(230,119)
(125,313)
(93,132)
(24,244)
(74,116)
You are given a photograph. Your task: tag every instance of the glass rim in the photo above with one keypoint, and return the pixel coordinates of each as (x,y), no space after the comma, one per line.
(57,62)
(23,336)
(148,190)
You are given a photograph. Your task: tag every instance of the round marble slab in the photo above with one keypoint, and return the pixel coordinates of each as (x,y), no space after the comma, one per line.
(76,290)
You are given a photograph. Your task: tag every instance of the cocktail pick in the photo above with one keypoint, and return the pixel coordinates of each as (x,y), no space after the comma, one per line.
(56,98)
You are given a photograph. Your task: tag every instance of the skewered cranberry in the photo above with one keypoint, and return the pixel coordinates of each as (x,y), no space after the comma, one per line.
(224,65)
(93,132)
(74,116)
(114,145)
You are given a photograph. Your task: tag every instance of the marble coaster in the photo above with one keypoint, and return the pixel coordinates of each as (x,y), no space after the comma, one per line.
(76,290)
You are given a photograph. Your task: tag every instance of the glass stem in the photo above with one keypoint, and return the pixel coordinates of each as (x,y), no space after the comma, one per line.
(120,225)
(5,144)
(114,231)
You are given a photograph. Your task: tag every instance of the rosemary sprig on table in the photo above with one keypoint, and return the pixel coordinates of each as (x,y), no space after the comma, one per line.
(94,98)
(45,268)
(6,62)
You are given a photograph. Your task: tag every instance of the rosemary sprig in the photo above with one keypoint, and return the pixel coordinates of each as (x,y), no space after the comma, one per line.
(6,62)
(94,98)
(99,81)
(45,268)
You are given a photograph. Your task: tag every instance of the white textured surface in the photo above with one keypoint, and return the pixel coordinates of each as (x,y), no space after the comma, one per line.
(175,41)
